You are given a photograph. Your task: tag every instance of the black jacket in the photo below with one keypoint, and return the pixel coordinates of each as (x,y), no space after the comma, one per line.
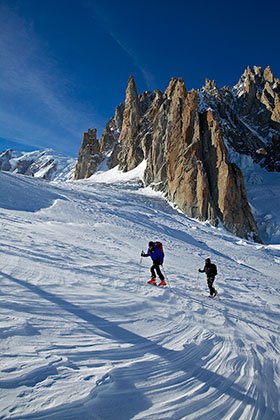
(210,270)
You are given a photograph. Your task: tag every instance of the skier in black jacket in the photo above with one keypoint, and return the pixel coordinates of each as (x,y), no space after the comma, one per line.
(211,271)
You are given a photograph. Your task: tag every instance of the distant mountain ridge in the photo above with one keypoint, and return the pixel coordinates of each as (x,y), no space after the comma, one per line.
(187,139)
(46,164)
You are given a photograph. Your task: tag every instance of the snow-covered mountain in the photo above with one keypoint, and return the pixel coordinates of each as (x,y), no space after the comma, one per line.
(83,336)
(46,164)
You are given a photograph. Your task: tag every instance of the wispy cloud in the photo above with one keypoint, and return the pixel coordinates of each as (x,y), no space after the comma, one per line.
(147,75)
(36,107)
(123,43)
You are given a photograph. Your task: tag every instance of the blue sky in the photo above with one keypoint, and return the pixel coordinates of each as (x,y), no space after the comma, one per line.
(64,64)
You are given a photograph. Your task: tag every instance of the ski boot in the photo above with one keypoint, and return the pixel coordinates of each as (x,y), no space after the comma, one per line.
(162,283)
(152,281)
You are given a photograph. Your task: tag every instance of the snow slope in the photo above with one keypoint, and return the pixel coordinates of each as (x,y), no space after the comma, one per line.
(83,336)
(263,191)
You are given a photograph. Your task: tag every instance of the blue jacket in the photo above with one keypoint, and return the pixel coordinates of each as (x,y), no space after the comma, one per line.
(156,254)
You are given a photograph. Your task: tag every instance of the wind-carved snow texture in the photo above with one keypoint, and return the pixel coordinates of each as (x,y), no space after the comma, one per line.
(83,336)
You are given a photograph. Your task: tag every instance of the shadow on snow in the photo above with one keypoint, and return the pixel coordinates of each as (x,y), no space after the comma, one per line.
(176,360)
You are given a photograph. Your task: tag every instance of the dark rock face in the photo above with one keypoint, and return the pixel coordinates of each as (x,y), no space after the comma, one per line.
(250,114)
(89,156)
(185,137)
(5,158)
(93,151)
(109,144)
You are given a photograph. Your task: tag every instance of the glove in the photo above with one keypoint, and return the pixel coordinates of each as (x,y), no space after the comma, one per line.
(143,254)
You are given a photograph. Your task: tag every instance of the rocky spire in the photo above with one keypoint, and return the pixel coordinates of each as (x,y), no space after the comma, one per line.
(268,75)
(130,155)
(89,155)
(210,85)
(176,88)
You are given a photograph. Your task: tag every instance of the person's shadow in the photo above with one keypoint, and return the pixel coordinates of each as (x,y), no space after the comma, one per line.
(123,390)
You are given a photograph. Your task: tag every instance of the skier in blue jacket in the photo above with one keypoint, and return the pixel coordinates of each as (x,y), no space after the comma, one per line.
(157,256)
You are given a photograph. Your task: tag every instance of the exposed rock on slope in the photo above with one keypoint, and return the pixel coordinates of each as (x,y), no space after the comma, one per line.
(109,143)
(186,138)
(89,155)
(249,114)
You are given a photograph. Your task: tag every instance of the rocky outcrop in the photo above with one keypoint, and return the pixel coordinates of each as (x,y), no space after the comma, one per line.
(130,154)
(109,142)
(186,136)
(89,155)
(254,102)
(5,160)
(93,151)
(192,165)
(258,91)
(112,131)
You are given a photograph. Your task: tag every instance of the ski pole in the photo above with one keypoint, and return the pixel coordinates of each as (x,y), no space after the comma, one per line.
(140,265)
(165,276)
(197,280)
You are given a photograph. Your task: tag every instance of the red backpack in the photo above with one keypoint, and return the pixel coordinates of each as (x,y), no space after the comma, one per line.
(159,246)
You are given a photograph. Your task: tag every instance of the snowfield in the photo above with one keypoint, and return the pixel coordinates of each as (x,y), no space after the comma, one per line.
(84,337)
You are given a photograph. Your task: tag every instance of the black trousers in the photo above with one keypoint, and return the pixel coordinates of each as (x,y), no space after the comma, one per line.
(210,281)
(155,268)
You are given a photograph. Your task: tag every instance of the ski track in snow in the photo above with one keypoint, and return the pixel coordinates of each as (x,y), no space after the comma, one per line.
(83,336)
